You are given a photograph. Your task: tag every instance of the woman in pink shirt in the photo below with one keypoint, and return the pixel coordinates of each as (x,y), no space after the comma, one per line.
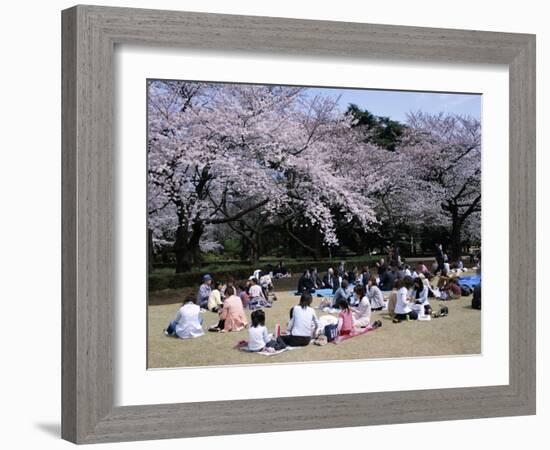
(232,312)
(232,317)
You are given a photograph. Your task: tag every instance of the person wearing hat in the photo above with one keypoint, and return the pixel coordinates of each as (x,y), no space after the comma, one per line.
(204,291)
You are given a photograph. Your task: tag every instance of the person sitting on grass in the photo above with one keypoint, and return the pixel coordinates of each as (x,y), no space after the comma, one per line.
(257,296)
(341,294)
(280,270)
(387,280)
(215,299)
(364,277)
(188,322)
(303,323)
(353,275)
(403,309)
(451,290)
(362,314)
(316,279)
(232,317)
(330,281)
(421,269)
(305,283)
(204,291)
(443,279)
(243,294)
(258,337)
(345,318)
(266,283)
(375,295)
(420,295)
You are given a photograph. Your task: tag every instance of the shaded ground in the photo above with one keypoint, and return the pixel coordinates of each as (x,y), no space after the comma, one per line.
(459,333)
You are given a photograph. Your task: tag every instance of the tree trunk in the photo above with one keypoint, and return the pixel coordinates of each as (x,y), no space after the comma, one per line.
(317,246)
(186,247)
(150,254)
(245,249)
(301,243)
(254,255)
(456,247)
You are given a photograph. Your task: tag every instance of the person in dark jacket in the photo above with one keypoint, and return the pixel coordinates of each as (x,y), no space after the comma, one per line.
(387,281)
(365,275)
(381,267)
(305,283)
(439,257)
(315,278)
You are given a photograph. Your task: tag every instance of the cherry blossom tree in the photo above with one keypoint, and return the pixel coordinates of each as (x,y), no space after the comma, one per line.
(442,155)
(245,156)
(200,164)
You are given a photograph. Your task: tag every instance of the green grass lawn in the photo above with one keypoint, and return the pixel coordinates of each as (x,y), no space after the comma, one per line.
(457,334)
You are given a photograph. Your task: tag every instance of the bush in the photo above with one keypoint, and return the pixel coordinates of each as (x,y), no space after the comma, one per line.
(167,279)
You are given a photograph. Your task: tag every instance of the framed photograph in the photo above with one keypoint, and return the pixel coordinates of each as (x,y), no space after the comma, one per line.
(291,220)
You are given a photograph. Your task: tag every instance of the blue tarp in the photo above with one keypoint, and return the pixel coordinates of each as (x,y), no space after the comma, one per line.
(470,280)
(321,292)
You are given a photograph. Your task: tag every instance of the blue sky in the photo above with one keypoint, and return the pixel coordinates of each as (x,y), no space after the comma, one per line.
(396,104)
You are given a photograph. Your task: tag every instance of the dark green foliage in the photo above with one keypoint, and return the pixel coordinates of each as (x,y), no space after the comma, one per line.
(379,130)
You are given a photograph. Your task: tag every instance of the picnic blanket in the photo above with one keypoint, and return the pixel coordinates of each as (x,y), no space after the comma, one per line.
(321,292)
(354,334)
(318,293)
(470,280)
(243,347)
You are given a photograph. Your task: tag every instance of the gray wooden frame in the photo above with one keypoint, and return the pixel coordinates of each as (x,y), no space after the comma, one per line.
(89,36)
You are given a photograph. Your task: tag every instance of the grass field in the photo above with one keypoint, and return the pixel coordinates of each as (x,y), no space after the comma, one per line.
(457,334)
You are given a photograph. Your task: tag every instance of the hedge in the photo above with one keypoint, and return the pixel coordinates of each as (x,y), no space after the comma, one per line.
(159,281)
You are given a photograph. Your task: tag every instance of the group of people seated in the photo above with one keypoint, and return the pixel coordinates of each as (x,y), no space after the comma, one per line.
(228,300)
(355,295)
(386,276)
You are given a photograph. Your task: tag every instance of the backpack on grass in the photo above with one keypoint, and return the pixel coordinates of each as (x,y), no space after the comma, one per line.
(331,332)
(465,290)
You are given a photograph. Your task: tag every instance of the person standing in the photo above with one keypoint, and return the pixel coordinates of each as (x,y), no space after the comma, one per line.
(439,258)
(382,268)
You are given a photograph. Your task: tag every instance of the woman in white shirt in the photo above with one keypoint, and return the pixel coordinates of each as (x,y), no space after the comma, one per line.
(420,295)
(303,323)
(375,295)
(361,314)
(188,323)
(403,310)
